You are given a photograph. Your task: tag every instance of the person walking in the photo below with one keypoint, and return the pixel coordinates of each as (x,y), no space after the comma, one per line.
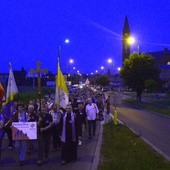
(91,112)
(56,116)
(81,119)
(20,145)
(108,105)
(68,136)
(32,117)
(44,134)
(8,123)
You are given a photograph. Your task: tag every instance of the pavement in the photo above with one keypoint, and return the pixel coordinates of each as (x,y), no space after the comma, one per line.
(88,155)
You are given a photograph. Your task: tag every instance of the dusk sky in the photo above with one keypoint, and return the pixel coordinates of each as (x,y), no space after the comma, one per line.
(31,30)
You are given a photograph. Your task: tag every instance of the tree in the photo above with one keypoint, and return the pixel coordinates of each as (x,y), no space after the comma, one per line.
(150,85)
(137,69)
(20,76)
(103,80)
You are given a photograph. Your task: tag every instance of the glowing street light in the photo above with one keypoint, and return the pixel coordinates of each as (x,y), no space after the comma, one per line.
(67,41)
(102,68)
(119,68)
(71,61)
(131,40)
(109,61)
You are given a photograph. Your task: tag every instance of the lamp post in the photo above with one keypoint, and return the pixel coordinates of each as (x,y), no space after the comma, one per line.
(131,40)
(118,69)
(58,60)
(110,61)
(59,48)
(70,62)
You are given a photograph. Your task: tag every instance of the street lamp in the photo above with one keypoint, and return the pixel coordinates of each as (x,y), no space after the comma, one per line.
(67,41)
(102,68)
(59,48)
(119,68)
(131,40)
(71,61)
(110,61)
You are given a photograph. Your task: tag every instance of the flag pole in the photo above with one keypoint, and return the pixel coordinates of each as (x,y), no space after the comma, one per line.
(58,65)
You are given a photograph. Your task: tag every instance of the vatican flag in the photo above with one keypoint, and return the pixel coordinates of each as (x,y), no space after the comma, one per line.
(12,92)
(61,96)
(12,89)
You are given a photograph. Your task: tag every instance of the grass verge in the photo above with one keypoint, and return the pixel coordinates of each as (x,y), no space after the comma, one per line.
(123,150)
(160,107)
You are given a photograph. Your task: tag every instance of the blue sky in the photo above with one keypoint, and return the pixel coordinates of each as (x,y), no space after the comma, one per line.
(31,30)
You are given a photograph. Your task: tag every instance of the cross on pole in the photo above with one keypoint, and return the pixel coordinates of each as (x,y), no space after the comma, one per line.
(39,71)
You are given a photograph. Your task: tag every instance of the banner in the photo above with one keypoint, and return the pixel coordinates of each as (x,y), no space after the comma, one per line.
(24,130)
(61,96)
(12,92)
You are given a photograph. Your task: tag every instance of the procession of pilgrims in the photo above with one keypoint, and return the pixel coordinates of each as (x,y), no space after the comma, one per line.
(63,127)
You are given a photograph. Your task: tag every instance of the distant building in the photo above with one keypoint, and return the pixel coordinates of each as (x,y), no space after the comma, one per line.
(4,79)
(125,36)
(162,59)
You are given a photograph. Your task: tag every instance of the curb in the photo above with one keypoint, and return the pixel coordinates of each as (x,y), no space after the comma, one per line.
(96,155)
(147,110)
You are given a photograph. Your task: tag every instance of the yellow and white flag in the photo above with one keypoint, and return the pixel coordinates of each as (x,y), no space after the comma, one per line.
(12,92)
(61,96)
(12,89)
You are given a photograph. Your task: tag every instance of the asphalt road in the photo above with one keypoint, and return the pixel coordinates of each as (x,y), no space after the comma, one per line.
(153,127)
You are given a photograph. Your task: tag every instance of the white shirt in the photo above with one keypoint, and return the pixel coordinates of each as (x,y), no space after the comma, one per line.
(56,116)
(91,111)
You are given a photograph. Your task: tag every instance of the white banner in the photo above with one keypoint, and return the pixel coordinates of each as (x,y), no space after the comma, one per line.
(24,130)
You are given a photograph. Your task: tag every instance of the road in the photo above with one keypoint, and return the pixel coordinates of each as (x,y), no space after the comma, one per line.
(153,127)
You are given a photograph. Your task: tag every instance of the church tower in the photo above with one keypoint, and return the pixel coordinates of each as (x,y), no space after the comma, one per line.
(125,36)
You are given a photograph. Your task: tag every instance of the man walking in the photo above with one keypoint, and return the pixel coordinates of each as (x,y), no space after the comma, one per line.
(91,112)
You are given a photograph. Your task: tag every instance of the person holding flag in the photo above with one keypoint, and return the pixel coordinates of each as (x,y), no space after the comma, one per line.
(69,136)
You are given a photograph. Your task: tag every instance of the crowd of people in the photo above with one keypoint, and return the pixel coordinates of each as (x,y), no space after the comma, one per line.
(61,126)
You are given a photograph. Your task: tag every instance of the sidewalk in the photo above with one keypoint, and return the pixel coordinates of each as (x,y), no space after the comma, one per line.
(88,156)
